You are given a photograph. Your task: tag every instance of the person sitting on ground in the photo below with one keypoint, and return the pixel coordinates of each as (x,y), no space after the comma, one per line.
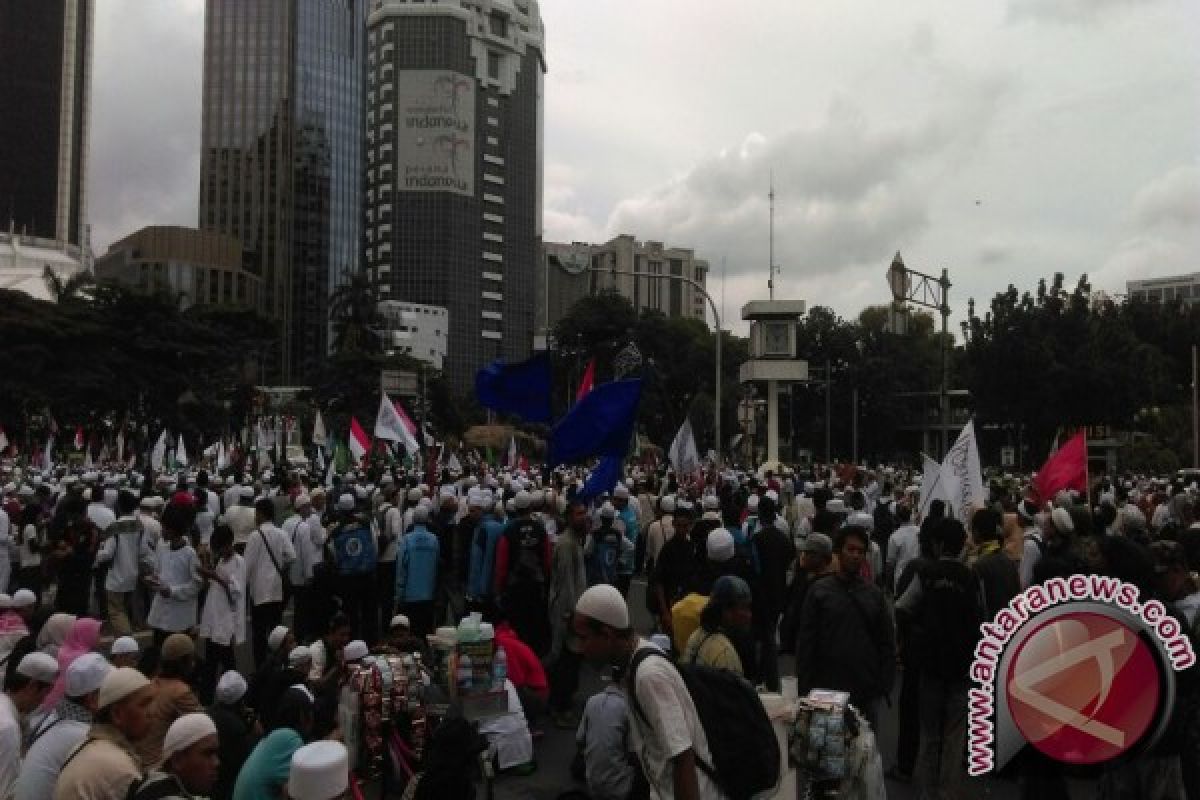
(125,652)
(189,766)
(451,763)
(238,729)
(726,618)
(266,770)
(525,671)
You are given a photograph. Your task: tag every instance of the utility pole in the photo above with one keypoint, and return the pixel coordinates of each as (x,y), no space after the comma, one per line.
(1195,407)
(828,412)
(771,242)
(854,423)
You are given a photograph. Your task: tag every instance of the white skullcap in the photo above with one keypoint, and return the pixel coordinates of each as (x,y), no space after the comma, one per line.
(119,684)
(421,514)
(346,502)
(125,645)
(5,600)
(299,655)
(302,499)
(752,502)
(355,650)
(24,599)
(399,621)
(276,637)
(414,495)
(711,503)
(231,688)
(720,545)
(39,667)
(319,771)
(522,500)
(86,673)
(604,604)
(607,511)
(621,492)
(246,491)
(773,496)
(667,504)
(185,732)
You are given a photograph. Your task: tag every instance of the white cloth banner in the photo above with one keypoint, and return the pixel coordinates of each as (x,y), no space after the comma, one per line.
(319,438)
(931,486)
(683,455)
(181,457)
(159,453)
(962,476)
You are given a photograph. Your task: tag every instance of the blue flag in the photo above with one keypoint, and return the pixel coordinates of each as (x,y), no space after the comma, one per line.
(603,478)
(601,424)
(522,389)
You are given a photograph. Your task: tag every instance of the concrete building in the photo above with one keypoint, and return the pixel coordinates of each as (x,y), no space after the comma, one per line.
(565,277)
(200,267)
(24,260)
(281,159)
(1166,290)
(416,330)
(453,195)
(45,88)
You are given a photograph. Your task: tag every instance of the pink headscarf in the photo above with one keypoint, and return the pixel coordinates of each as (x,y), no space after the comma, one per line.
(84,636)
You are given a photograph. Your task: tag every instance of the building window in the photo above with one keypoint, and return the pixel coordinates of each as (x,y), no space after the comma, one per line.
(498,25)
(493,65)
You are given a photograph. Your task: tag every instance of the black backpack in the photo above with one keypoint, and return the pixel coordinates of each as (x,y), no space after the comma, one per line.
(745,752)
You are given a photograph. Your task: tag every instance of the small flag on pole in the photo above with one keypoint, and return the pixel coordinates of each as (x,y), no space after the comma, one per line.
(181,457)
(319,437)
(360,445)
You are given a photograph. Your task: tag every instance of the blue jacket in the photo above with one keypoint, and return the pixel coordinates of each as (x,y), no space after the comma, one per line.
(417,566)
(629,517)
(483,556)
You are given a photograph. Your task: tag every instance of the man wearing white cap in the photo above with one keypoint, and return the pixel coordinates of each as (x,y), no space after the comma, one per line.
(268,554)
(319,771)
(189,761)
(237,730)
(106,766)
(240,517)
(24,692)
(307,535)
(667,735)
(125,652)
(56,736)
(128,554)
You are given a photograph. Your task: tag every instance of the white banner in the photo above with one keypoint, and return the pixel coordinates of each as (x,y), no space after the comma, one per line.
(683,454)
(931,487)
(962,475)
(435,131)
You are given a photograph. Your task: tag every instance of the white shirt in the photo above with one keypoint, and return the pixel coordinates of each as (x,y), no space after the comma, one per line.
(101,516)
(205,522)
(262,579)
(308,540)
(670,727)
(222,621)
(177,570)
(45,759)
(126,552)
(393,526)
(10,745)
(29,558)
(214,502)
(658,534)
(153,529)
(903,547)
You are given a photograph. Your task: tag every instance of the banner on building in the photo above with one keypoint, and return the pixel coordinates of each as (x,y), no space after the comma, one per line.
(435,132)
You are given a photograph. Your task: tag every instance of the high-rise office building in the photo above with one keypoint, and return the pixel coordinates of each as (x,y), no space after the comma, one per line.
(454,168)
(45,87)
(281,166)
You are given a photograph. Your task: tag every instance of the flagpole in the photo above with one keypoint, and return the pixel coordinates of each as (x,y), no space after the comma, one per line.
(1087,471)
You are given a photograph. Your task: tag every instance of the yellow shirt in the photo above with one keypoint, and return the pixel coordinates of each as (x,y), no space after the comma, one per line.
(685,618)
(712,650)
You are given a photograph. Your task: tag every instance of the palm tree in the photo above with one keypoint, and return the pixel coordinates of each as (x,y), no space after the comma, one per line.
(354,311)
(76,287)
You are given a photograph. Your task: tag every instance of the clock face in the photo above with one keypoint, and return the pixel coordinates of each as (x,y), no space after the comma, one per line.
(775,339)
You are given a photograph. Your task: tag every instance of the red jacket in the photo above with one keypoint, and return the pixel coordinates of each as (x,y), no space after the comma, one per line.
(524,668)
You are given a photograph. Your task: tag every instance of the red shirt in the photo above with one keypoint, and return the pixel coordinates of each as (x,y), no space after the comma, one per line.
(524,668)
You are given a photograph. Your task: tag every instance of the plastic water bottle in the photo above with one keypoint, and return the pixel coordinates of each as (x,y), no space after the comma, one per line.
(464,673)
(499,668)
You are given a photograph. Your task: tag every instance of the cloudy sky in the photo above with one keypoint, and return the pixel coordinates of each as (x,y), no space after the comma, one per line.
(1002,139)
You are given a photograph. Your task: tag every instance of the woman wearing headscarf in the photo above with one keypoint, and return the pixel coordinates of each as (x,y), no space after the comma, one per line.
(83,638)
(54,633)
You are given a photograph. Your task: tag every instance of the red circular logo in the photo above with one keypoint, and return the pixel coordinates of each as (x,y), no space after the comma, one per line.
(1083,688)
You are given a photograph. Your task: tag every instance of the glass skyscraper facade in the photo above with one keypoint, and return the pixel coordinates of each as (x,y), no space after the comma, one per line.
(454,142)
(45,85)
(282,157)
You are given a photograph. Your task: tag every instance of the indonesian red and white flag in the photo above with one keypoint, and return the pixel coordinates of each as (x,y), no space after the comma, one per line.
(359,444)
(1066,468)
(78,437)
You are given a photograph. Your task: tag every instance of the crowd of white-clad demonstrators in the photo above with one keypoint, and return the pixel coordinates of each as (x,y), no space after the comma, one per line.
(127,596)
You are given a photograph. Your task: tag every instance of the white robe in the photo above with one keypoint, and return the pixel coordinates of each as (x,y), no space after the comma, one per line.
(221,622)
(176,569)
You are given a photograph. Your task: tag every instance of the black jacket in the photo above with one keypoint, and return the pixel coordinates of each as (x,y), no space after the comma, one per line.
(845,640)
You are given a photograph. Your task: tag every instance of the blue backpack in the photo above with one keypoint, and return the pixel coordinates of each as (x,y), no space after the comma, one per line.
(354,551)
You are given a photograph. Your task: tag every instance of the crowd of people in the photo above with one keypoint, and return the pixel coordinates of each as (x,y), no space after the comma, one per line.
(847,577)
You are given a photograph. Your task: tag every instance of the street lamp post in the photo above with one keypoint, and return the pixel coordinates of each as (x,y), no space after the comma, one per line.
(910,286)
(716,318)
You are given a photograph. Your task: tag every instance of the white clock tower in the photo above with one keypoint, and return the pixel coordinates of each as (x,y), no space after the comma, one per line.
(773,332)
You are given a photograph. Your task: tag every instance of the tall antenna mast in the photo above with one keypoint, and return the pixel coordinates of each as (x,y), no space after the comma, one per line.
(771,241)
